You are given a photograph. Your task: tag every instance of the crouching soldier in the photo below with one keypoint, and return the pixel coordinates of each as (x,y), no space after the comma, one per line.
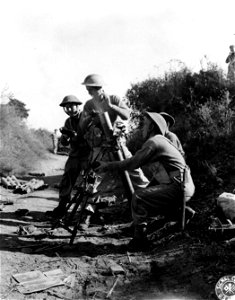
(78,156)
(166,165)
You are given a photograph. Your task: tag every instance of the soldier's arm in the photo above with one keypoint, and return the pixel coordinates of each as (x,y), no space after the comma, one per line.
(140,158)
(119,106)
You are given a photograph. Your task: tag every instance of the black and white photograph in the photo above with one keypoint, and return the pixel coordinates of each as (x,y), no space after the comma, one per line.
(117,150)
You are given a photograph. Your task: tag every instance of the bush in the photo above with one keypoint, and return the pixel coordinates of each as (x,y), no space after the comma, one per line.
(20,147)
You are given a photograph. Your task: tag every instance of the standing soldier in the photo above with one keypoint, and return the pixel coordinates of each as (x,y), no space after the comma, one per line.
(230,60)
(118,111)
(78,156)
(55,140)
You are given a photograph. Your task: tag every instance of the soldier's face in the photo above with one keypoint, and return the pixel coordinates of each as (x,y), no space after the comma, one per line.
(94,91)
(72,109)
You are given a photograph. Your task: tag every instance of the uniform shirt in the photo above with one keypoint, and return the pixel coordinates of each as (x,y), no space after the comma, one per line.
(78,145)
(90,122)
(92,107)
(175,141)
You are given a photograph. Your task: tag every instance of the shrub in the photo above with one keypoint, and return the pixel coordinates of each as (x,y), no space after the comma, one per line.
(20,148)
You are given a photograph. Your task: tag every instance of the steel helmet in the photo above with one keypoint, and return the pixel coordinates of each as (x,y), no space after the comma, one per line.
(158,120)
(70,99)
(93,80)
(168,118)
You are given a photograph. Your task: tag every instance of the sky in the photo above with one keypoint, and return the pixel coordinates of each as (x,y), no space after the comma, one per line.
(48,47)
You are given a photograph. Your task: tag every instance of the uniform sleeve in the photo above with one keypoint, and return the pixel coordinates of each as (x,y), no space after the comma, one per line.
(119,102)
(64,140)
(138,160)
(120,107)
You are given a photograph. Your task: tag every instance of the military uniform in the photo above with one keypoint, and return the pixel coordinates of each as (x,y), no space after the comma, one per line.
(166,164)
(97,139)
(77,160)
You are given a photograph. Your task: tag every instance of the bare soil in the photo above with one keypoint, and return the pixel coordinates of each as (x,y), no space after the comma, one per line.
(179,265)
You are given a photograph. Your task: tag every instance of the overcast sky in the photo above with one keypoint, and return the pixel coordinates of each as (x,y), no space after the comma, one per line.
(48,47)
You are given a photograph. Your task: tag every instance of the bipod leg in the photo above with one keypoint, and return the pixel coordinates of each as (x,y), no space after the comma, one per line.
(58,222)
(79,219)
(78,198)
(61,222)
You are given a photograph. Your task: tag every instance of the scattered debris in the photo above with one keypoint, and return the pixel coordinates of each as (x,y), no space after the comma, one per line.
(70,281)
(10,182)
(30,186)
(29,230)
(36,281)
(22,187)
(112,288)
(115,268)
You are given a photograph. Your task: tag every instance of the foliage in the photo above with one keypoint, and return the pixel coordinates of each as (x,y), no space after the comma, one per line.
(20,147)
(177,89)
(19,108)
(200,104)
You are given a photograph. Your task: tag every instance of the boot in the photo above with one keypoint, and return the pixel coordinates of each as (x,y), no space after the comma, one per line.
(140,241)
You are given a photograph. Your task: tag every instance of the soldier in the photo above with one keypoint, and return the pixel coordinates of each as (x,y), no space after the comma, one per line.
(55,140)
(78,155)
(230,60)
(117,110)
(166,197)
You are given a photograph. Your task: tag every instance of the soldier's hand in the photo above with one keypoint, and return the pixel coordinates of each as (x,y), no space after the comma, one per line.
(106,99)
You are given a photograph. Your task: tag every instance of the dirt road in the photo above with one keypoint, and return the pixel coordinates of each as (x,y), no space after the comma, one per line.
(178,266)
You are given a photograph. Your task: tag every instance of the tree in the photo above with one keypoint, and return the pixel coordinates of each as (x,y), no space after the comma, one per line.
(19,108)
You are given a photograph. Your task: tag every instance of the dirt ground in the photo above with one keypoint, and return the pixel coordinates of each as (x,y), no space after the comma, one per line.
(179,265)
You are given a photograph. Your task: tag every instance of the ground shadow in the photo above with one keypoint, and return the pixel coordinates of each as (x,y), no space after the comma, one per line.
(49,247)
